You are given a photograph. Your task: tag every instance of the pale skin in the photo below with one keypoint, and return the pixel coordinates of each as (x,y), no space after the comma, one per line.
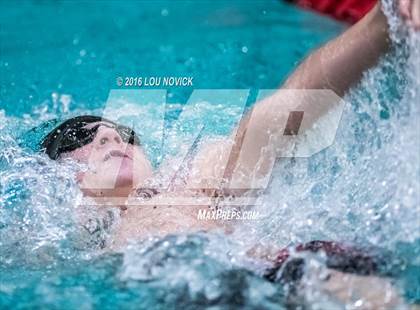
(333,66)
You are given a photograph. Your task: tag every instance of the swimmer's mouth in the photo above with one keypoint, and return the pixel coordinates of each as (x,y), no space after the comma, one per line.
(116,154)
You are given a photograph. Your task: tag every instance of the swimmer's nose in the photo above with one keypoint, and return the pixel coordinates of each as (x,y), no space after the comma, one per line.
(108,137)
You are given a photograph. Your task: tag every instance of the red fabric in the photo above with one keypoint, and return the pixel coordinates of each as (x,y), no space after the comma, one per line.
(345,257)
(329,247)
(346,10)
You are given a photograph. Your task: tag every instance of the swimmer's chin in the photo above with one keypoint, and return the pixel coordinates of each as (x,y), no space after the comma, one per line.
(124,180)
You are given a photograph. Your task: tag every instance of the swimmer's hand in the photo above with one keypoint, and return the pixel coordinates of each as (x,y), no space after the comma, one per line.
(410,11)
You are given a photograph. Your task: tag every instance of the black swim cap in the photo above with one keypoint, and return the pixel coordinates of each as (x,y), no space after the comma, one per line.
(72,134)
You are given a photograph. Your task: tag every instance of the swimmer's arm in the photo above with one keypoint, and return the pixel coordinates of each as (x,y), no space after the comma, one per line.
(336,66)
(257,141)
(253,146)
(341,62)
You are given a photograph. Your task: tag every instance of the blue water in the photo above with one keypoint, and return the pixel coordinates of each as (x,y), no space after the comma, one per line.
(60,59)
(80,49)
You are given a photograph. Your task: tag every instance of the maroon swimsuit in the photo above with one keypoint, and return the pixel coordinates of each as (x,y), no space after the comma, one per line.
(341,257)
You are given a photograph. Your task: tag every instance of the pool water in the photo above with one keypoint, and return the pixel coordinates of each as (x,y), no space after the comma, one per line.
(60,59)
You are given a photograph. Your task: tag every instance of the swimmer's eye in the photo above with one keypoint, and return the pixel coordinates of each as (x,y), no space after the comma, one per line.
(103,141)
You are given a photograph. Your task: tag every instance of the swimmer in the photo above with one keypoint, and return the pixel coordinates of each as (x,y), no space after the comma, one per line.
(110,151)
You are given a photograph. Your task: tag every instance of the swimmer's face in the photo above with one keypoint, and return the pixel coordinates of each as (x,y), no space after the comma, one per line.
(114,166)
